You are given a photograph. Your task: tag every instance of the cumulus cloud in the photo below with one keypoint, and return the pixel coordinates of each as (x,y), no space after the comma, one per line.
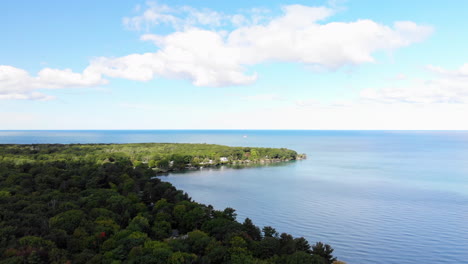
(448,87)
(209,57)
(16,83)
(199,56)
(209,48)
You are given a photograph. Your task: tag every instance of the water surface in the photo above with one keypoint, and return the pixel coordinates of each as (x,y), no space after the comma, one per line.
(375,196)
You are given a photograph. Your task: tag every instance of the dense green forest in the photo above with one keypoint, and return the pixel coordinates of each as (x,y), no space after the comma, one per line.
(101,203)
(159,156)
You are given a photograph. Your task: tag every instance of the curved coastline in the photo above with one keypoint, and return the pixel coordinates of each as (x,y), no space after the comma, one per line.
(100,204)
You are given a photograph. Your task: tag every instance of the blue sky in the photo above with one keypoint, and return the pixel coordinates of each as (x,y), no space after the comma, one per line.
(233,65)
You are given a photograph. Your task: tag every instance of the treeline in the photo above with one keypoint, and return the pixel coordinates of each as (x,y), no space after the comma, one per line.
(97,204)
(159,156)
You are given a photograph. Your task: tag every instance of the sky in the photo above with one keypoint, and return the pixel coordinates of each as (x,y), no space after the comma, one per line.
(335,64)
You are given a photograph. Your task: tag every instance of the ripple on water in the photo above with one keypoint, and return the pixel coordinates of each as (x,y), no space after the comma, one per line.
(380,197)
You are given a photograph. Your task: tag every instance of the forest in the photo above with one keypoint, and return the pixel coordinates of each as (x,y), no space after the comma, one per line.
(161,157)
(100,203)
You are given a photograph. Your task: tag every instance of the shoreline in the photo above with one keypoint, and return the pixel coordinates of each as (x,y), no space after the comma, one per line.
(240,163)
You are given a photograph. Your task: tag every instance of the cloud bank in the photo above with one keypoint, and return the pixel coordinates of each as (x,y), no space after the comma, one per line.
(19,84)
(212,49)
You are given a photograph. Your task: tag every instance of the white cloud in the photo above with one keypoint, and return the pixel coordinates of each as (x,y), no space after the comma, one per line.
(13,80)
(202,53)
(449,87)
(176,17)
(209,57)
(204,17)
(154,15)
(18,84)
(239,20)
(57,79)
(196,55)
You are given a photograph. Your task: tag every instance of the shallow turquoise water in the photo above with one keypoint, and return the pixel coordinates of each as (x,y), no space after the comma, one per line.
(375,196)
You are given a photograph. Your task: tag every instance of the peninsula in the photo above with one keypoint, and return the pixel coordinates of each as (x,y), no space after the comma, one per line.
(99,203)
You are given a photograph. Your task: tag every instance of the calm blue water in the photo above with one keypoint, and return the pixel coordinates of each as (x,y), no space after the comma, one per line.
(375,196)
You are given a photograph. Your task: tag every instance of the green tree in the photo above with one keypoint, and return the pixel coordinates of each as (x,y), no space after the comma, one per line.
(302,245)
(254,155)
(267,247)
(269,231)
(287,245)
(230,213)
(67,221)
(161,229)
(325,251)
(300,257)
(252,230)
(182,258)
(198,241)
(139,223)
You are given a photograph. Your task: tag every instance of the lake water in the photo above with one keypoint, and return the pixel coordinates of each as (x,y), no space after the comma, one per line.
(375,196)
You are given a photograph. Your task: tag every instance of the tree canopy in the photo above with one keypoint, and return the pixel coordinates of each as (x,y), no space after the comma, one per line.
(102,204)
